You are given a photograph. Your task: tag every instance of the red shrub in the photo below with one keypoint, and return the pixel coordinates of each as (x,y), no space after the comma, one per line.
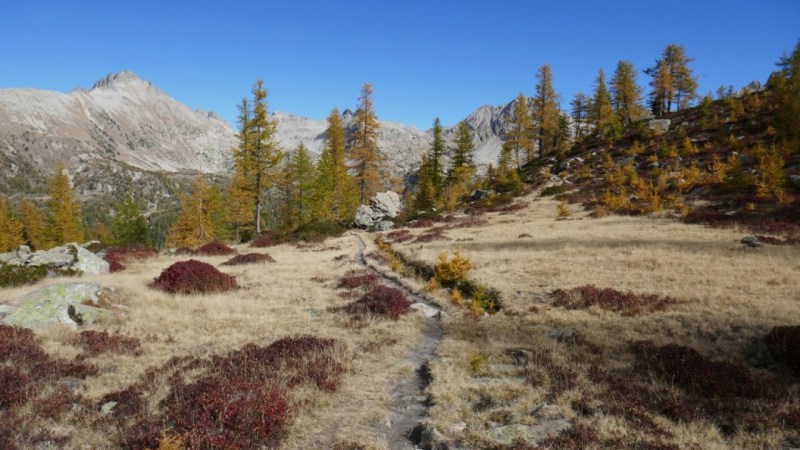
(784,345)
(626,303)
(685,367)
(263,242)
(193,277)
(232,415)
(249,258)
(117,256)
(357,278)
(56,404)
(97,342)
(214,249)
(115,266)
(129,402)
(14,386)
(420,223)
(433,234)
(381,301)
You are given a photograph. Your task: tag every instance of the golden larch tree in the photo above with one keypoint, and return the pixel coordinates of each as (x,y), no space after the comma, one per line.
(366,163)
(194,225)
(64,224)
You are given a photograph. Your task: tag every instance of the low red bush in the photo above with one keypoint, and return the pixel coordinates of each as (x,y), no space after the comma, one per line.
(116,257)
(626,303)
(249,258)
(193,277)
(687,368)
(214,249)
(15,386)
(357,278)
(263,241)
(97,342)
(380,301)
(784,345)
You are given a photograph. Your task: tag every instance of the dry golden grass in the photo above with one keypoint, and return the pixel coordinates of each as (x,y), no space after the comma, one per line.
(276,300)
(729,297)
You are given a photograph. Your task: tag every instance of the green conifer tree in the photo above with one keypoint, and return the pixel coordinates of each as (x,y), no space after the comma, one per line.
(129,226)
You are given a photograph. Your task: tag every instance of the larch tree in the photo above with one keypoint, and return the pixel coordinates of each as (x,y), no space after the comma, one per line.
(34,222)
(336,193)
(436,157)
(129,226)
(64,223)
(506,177)
(785,83)
(258,154)
(363,147)
(464,150)
(580,105)
(194,225)
(602,115)
(672,81)
(300,179)
(462,168)
(626,93)
(545,111)
(11,229)
(520,138)
(425,198)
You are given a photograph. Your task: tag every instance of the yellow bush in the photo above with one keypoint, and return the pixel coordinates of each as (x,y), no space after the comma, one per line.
(563,209)
(476,308)
(771,176)
(432,285)
(457,297)
(452,270)
(476,363)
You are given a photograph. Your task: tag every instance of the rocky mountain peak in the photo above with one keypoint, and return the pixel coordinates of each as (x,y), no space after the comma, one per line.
(119,78)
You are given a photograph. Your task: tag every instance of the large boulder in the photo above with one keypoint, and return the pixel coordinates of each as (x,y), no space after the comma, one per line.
(659,125)
(387,203)
(56,304)
(71,256)
(382,207)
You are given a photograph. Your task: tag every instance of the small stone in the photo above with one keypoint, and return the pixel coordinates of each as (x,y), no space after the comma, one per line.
(562,333)
(107,408)
(751,241)
(427,310)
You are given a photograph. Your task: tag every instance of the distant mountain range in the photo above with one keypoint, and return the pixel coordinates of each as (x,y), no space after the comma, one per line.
(126,122)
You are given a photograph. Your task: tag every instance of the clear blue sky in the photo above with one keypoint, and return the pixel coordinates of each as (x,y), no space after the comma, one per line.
(425,58)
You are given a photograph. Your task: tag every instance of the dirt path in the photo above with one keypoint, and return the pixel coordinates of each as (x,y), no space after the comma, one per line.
(409,403)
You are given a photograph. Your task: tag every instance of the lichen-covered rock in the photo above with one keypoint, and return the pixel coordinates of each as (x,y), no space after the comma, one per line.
(56,304)
(69,257)
(530,434)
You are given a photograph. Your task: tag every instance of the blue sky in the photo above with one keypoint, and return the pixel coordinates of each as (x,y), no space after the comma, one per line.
(425,58)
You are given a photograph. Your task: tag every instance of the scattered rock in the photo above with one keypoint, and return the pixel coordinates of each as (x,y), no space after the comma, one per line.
(752,242)
(57,304)
(562,333)
(107,408)
(520,356)
(530,434)
(479,194)
(384,225)
(460,427)
(426,310)
(565,165)
(795,180)
(659,125)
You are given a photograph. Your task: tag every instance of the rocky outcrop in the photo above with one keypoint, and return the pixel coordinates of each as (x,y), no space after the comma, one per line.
(382,207)
(56,304)
(68,257)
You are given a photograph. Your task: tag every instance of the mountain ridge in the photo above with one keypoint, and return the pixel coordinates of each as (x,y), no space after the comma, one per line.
(126,120)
